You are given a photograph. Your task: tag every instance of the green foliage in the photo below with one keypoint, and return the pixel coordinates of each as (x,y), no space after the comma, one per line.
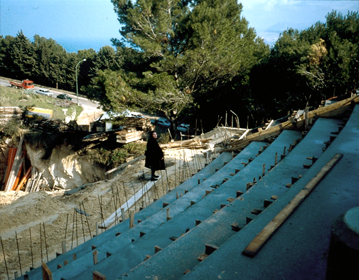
(10,129)
(308,66)
(191,47)
(114,157)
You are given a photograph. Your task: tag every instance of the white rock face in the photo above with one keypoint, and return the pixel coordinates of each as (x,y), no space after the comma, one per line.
(64,169)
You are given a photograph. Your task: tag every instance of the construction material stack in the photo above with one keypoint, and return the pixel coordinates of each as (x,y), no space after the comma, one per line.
(134,129)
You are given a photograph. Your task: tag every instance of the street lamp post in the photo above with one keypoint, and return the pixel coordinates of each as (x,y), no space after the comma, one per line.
(77,86)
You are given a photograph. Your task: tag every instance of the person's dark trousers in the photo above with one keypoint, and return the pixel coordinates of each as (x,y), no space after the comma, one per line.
(153,176)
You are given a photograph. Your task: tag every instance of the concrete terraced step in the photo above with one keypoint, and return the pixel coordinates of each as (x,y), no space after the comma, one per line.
(86,247)
(194,193)
(202,207)
(183,254)
(299,248)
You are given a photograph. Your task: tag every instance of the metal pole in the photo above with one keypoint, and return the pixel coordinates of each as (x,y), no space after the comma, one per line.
(77,87)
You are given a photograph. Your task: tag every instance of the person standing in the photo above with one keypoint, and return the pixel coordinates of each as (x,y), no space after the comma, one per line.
(154,156)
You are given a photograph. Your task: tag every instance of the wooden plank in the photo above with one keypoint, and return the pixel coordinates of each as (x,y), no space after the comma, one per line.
(36,185)
(95,257)
(257,243)
(132,219)
(46,272)
(98,276)
(24,179)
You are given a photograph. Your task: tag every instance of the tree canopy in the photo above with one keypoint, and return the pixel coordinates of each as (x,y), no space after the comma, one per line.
(305,67)
(191,47)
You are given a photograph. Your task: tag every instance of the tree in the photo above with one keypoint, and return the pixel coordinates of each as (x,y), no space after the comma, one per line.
(191,47)
(51,59)
(21,53)
(6,63)
(305,67)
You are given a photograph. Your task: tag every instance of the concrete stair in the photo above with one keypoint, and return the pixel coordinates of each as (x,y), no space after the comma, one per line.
(185,252)
(299,248)
(189,232)
(197,206)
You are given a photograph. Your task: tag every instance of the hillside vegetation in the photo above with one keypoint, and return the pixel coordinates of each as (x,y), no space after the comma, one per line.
(197,63)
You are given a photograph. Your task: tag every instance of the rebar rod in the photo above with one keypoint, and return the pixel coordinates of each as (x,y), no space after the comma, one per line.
(82,225)
(143,196)
(176,170)
(124,190)
(67,220)
(114,205)
(3,251)
(32,256)
(77,237)
(168,185)
(18,251)
(163,185)
(47,256)
(73,229)
(88,223)
(134,195)
(41,244)
(119,200)
(100,202)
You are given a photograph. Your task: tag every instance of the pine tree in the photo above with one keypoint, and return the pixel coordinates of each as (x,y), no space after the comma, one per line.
(191,48)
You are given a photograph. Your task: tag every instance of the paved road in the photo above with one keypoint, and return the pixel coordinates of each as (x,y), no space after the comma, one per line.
(82,101)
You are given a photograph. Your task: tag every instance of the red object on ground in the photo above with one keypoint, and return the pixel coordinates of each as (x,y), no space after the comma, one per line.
(24,179)
(10,161)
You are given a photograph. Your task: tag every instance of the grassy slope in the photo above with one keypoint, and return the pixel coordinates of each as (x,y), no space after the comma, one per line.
(10,97)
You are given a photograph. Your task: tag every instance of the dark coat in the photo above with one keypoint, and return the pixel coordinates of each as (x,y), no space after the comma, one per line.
(154,155)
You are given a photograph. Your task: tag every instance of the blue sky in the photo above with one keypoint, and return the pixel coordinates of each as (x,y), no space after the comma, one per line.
(83,24)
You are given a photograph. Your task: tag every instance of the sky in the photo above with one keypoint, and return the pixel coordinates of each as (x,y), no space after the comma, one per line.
(84,24)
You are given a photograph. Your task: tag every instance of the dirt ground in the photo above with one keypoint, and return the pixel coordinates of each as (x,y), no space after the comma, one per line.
(33,226)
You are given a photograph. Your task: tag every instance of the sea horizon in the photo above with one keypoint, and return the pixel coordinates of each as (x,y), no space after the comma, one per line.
(74,45)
